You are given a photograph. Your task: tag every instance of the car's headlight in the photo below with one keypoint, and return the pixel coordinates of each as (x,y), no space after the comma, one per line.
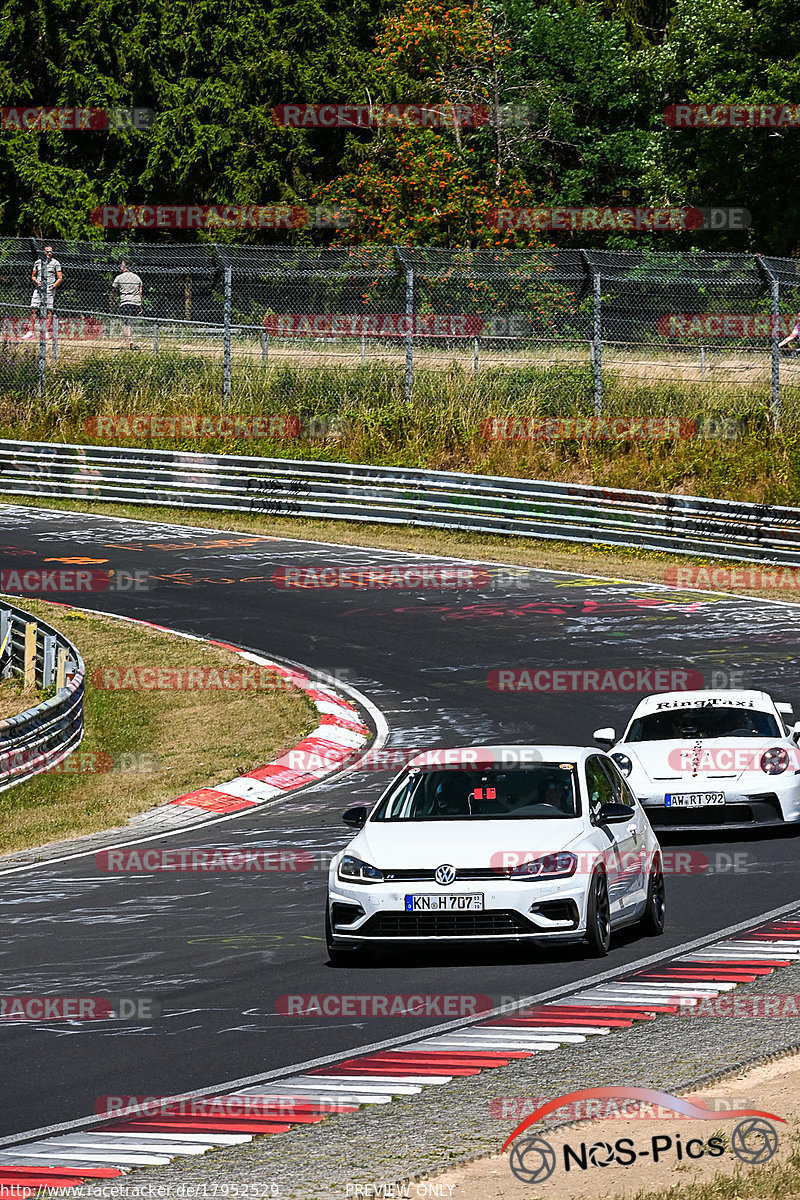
(624,763)
(354,870)
(550,866)
(774,761)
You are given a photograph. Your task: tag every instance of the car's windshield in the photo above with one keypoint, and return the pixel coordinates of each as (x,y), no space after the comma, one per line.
(707,722)
(545,791)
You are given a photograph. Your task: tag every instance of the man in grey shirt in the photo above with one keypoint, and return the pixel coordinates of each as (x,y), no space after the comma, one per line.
(128,286)
(52,280)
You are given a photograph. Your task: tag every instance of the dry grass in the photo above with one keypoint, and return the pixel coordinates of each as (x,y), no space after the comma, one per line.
(14,698)
(158,744)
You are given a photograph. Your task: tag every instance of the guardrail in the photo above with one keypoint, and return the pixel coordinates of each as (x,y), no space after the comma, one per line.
(532,508)
(39,738)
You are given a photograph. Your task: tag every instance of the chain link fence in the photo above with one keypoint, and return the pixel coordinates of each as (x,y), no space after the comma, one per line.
(668,320)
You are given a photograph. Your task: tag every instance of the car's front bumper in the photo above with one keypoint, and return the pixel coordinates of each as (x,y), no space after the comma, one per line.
(511,912)
(745,807)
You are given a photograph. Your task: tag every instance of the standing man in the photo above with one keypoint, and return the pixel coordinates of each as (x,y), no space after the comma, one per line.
(52,280)
(129,289)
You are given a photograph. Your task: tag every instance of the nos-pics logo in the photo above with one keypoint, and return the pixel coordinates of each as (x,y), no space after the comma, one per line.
(533,1159)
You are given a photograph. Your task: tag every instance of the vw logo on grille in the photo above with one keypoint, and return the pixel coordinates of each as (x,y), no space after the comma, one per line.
(445,874)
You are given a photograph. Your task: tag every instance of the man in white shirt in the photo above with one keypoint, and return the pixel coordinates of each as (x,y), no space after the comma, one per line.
(128,287)
(52,280)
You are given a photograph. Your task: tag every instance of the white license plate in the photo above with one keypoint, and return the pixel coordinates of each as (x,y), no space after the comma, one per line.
(694,799)
(449,903)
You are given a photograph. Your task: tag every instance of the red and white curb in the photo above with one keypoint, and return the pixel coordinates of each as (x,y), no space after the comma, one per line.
(341,733)
(376,1077)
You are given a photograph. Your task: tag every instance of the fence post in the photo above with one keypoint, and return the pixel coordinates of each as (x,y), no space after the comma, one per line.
(775,307)
(54,350)
(475,359)
(226,364)
(596,354)
(42,323)
(264,347)
(155,337)
(409,271)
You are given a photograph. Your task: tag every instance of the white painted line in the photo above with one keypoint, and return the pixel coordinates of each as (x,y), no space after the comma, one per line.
(47,1153)
(136,1142)
(396,1080)
(219,1139)
(545,1030)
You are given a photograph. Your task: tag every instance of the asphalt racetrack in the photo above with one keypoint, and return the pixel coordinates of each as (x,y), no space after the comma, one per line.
(217,952)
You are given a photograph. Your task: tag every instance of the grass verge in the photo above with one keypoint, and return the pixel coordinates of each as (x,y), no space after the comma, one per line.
(144,748)
(361,415)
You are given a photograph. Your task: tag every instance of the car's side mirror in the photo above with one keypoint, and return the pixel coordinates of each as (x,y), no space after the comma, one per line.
(783,707)
(795,732)
(606,737)
(356,817)
(615,814)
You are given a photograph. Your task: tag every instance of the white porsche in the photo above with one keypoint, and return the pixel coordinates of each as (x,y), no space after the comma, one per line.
(711,759)
(498,844)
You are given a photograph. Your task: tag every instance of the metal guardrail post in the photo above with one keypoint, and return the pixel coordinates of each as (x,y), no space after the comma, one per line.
(48,658)
(597,331)
(226,367)
(61,668)
(5,643)
(775,298)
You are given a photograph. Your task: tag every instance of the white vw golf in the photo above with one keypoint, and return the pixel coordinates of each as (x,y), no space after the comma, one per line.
(711,759)
(496,844)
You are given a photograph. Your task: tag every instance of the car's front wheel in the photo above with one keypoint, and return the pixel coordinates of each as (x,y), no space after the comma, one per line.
(598,917)
(344,956)
(652,922)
